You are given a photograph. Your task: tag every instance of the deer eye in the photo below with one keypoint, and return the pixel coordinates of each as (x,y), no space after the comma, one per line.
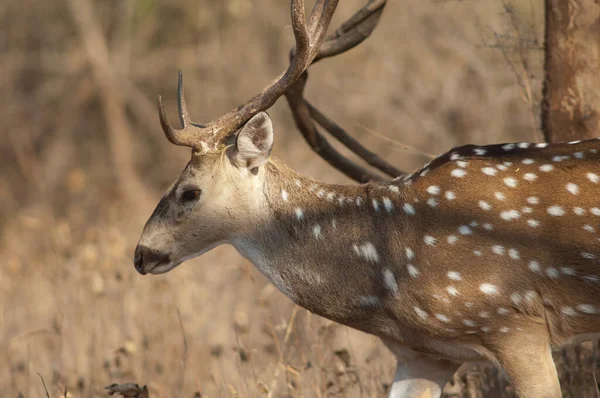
(191,195)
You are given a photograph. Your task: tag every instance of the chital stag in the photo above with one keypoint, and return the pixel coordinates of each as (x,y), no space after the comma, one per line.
(487,253)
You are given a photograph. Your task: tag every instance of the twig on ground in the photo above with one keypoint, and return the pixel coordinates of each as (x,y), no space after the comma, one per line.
(44,384)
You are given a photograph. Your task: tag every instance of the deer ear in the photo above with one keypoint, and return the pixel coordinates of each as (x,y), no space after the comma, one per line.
(254,142)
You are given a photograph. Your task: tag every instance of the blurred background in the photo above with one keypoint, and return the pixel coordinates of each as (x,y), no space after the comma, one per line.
(83,161)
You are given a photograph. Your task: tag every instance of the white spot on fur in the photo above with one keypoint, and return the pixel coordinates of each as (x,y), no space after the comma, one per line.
(450,195)
(529,177)
(390,281)
(567,271)
(534,266)
(368,251)
(546,168)
(556,211)
(442,318)
(573,188)
(462,163)
(514,254)
(528,161)
(552,273)
(589,228)
(317,232)
(455,276)
(429,240)
(579,211)
(432,202)
(284,195)
(502,311)
(412,270)
(489,171)
(422,314)
(433,190)
(409,253)
(533,223)
(510,182)
(459,173)
(586,308)
(488,289)
(409,209)
(499,195)
(452,291)
(530,296)
(569,311)
(485,205)
(387,203)
(588,256)
(497,249)
(375,204)
(452,239)
(479,151)
(593,177)
(299,213)
(533,200)
(465,230)
(508,147)
(515,298)
(487,226)
(510,215)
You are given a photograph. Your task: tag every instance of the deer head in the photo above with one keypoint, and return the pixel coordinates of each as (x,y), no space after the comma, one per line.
(216,195)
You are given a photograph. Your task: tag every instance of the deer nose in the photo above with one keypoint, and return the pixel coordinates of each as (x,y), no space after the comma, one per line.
(138,259)
(145,259)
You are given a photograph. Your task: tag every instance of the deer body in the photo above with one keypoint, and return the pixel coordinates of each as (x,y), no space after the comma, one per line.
(481,251)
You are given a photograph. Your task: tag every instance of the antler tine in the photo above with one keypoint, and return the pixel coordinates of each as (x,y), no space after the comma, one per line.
(309,38)
(188,134)
(354,31)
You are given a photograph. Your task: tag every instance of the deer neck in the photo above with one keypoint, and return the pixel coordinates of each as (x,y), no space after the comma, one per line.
(326,246)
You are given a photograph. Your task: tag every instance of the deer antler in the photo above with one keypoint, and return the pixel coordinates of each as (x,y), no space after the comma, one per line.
(351,33)
(309,35)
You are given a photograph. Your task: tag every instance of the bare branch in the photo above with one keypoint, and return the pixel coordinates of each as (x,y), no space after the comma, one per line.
(351,33)
(317,142)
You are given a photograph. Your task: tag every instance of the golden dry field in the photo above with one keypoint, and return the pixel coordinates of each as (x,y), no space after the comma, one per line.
(83,161)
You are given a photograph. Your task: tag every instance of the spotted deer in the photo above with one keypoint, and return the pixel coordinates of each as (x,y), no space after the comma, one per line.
(487,253)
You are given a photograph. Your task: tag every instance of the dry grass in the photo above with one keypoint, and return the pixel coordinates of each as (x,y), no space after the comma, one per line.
(434,75)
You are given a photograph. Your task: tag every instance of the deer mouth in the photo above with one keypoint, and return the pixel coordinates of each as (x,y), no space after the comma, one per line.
(163,267)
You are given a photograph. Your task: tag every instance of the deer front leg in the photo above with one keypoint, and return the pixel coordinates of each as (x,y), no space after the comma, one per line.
(418,375)
(528,363)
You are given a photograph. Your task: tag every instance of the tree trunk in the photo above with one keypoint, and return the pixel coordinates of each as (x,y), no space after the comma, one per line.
(571,103)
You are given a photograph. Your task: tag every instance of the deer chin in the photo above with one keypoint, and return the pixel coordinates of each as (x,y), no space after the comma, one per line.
(164,267)
(169,264)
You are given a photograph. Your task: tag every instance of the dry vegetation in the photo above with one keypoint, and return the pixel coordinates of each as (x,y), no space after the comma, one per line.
(79,124)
